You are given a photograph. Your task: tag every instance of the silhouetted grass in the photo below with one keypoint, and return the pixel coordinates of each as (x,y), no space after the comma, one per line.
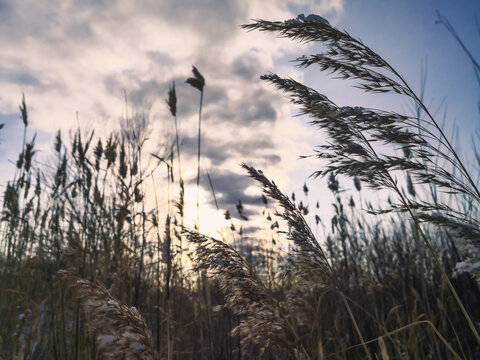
(91,260)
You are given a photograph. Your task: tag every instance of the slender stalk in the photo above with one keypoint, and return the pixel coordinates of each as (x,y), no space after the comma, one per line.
(439,128)
(178,148)
(198,158)
(406,327)
(211,186)
(355,325)
(159,244)
(407,204)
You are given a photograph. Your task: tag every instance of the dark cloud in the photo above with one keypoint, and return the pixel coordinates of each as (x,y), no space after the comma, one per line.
(246,67)
(146,93)
(254,107)
(88,4)
(215,20)
(212,149)
(26,21)
(218,150)
(20,77)
(250,146)
(56,25)
(229,186)
(161,58)
(79,31)
(112,83)
(5,8)
(14,71)
(140,94)
(273,159)
(229,189)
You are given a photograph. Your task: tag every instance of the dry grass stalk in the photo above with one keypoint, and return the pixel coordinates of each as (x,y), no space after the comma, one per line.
(262,321)
(309,262)
(198,82)
(121,331)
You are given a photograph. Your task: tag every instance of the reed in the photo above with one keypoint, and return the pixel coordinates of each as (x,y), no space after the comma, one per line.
(92,269)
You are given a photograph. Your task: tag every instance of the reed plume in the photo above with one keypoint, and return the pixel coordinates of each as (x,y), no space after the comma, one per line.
(363,142)
(121,332)
(262,321)
(309,261)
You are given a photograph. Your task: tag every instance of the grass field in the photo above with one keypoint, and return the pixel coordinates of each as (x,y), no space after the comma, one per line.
(96,265)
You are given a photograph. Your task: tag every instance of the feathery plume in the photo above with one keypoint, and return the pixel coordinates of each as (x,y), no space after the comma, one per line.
(121,332)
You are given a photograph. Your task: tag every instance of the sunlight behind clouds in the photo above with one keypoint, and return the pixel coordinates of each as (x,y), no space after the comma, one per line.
(76,60)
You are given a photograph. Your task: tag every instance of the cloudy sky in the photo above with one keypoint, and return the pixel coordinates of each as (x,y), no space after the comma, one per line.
(75,60)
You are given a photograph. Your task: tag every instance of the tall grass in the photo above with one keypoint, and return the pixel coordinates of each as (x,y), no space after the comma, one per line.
(91,262)
(198,82)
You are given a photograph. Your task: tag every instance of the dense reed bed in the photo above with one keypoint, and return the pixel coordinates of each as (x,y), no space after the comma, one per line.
(97,265)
